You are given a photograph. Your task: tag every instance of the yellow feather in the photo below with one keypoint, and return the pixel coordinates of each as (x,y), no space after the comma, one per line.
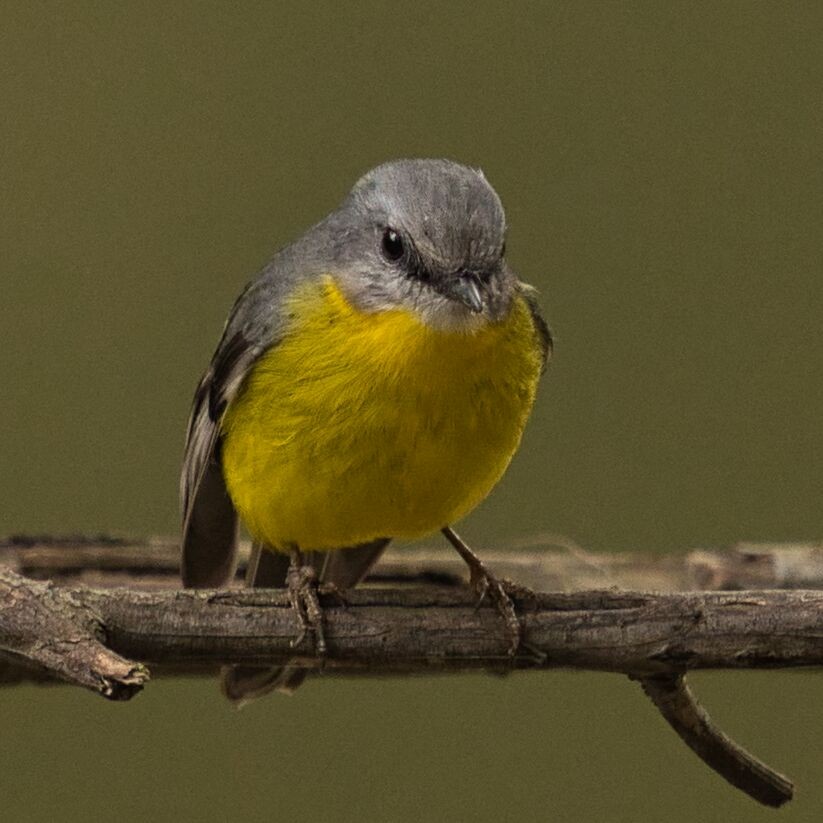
(358,426)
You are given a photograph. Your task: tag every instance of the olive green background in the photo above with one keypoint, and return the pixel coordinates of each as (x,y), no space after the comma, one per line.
(661,165)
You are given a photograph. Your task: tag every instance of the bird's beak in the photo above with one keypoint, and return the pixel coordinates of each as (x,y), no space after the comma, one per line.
(466,288)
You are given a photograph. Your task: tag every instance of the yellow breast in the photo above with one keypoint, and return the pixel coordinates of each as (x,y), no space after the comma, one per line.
(358,426)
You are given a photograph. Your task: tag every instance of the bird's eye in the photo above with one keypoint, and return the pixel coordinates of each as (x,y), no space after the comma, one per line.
(392,245)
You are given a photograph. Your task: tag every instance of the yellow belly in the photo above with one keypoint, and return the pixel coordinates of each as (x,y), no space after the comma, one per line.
(358,426)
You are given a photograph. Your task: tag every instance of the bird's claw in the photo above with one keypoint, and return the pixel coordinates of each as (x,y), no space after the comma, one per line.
(500,592)
(303,588)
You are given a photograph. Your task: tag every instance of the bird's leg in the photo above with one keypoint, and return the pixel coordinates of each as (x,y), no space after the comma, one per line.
(484,583)
(301,580)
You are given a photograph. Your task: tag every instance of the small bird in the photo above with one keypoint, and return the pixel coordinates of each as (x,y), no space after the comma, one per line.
(372,382)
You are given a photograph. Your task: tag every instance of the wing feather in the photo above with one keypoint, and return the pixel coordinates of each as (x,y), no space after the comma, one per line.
(209,541)
(541,327)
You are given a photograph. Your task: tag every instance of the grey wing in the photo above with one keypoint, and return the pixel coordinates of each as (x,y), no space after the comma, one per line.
(209,540)
(541,327)
(256,323)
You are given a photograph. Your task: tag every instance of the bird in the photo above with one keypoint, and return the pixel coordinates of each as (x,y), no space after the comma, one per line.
(372,383)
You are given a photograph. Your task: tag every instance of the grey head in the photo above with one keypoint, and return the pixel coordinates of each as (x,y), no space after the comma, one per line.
(426,236)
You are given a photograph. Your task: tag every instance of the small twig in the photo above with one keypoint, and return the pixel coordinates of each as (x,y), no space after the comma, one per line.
(50,631)
(674,699)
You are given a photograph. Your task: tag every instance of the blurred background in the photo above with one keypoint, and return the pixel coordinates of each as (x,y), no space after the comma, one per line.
(661,165)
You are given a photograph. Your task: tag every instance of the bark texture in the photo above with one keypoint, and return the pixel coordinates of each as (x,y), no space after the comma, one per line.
(424,628)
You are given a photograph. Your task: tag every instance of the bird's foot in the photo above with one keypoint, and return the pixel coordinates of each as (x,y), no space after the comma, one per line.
(302,584)
(498,591)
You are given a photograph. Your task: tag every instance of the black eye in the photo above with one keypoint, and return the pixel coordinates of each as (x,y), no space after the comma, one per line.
(392,245)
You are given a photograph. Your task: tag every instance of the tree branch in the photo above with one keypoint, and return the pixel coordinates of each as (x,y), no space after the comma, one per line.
(549,563)
(434,629)
(88,636)
(51,631)
(677,704)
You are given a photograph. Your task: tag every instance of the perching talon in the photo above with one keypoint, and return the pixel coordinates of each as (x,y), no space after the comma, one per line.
(484,583)
(302,584)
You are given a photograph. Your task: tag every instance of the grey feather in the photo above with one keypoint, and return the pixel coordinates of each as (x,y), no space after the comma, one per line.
(255,324)
(209,540)
(209,521)
(544,334)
